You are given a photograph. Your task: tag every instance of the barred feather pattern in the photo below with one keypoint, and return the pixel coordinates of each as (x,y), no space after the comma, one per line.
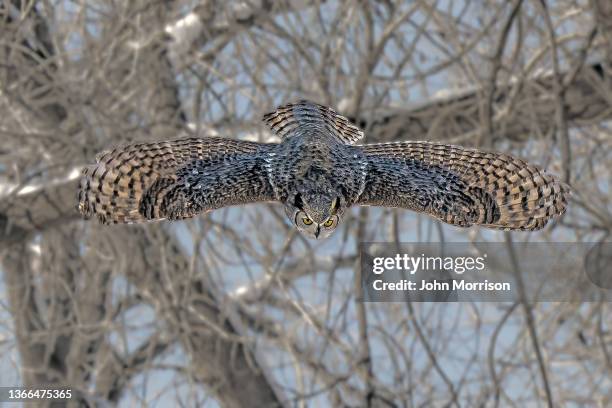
(318,170)
(172,179)
(462,186)
(302,116)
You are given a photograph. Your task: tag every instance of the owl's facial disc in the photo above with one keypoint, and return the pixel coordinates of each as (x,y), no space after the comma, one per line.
(314,221)
(326,228)
(305,224)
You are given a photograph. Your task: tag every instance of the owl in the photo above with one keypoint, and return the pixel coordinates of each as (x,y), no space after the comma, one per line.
(317,172)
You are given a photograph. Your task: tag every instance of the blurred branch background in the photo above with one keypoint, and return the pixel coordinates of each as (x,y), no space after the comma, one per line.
(234,308)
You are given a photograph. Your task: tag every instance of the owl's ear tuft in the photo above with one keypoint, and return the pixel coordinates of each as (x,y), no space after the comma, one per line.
(335,206)
(298,202)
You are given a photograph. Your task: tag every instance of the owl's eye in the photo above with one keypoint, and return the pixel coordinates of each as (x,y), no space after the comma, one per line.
(328,223)
(306,221)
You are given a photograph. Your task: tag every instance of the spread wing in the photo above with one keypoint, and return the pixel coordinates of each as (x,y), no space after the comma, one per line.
(305,115)
(462,186)
(173,179)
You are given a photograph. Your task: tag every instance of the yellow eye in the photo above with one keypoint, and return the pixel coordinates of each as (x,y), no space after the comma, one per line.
(306,221)
(328,223)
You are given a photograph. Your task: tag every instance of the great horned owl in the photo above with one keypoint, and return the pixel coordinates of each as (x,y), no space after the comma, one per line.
(317,172)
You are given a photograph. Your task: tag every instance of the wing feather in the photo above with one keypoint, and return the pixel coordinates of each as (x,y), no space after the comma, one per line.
(462,186)
(173,179)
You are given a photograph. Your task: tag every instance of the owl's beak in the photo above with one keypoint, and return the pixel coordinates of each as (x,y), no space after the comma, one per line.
(318,232)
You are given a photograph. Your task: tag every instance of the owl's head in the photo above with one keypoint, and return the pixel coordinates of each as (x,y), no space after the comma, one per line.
(315,215)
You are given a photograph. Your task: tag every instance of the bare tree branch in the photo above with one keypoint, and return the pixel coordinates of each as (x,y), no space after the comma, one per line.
(236,308)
